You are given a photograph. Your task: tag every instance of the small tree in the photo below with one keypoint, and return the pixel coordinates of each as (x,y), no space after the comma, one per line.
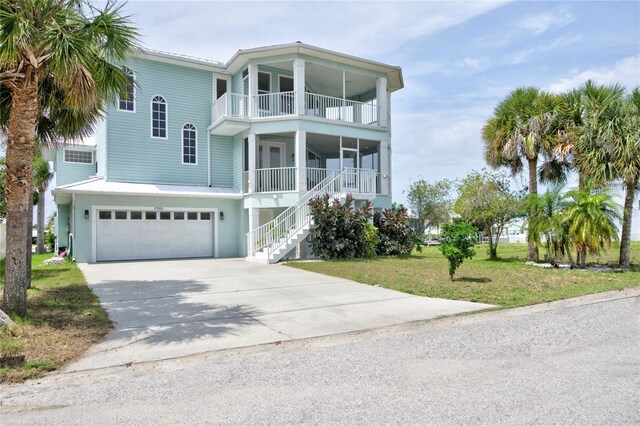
(456,244)
(487,202)
(338,229)
(396,235)
(429,203)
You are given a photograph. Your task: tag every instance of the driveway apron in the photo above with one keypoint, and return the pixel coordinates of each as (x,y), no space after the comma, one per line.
(174,308)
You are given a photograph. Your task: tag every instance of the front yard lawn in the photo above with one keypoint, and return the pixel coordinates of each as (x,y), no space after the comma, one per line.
(507,282)
(64,319)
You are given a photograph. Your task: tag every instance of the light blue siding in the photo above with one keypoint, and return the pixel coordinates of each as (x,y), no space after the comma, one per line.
(67,173)
(238,163)
(221,161)
(62,221)
(101,147)
(133,155)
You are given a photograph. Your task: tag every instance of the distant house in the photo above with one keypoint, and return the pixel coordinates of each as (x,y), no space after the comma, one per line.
(205,159)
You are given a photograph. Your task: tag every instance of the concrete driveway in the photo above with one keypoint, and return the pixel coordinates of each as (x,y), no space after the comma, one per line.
(167,309)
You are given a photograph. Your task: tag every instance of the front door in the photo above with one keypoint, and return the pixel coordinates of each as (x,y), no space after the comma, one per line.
(350,161)
(271,157)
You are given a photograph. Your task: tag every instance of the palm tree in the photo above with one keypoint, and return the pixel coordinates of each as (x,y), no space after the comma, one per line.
(547,220)
(609,147)
(41,178)
(524,124)
(57,72)
(591,217)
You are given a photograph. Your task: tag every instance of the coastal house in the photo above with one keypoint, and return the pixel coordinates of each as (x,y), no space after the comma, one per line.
(207,159)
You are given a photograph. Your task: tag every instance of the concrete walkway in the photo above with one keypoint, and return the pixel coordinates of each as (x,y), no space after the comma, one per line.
(167,309)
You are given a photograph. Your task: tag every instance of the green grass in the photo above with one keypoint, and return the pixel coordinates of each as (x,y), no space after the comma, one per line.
(507,282)
(64,319)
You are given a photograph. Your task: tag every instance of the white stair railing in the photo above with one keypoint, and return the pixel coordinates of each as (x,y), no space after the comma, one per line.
(272,235)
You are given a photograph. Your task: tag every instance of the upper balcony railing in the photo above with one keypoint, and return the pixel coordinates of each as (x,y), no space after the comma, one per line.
(283,103)
(341,109)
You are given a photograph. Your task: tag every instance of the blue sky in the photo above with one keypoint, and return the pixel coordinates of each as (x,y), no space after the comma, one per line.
(459,58)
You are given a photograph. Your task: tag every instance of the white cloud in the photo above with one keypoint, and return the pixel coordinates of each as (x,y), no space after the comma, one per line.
(359,28)
(558,43)
(473,64)
(626,72)
(542,22)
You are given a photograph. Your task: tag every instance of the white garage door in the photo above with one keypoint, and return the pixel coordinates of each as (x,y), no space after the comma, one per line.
(148,234)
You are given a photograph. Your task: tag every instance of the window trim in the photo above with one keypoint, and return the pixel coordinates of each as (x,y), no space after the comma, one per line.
(166,121)
(195,129)
(216,96)
(135,92)
(64,157)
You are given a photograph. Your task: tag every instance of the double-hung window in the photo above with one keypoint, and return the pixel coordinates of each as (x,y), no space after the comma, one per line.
(159,117)
(189,142)
(127,97)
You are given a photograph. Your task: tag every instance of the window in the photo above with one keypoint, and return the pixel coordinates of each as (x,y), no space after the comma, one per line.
(192,216)
(205,216)
(136,215)
(165,215)
(158,117)
(127,98)
(104,215)
(245,72)
(150,215)
(178,216)
(121,215)
(221,87)
(189,139)
(75,156)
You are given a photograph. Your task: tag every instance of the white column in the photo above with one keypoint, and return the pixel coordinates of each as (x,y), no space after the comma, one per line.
(301,160)
(298,85)
(252,147)
(385,167)
(253,90)
(383,101)
(254,222)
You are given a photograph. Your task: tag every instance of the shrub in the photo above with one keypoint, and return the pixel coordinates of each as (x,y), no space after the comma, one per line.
(338,229)
(456,244)
(372,238)
(50,240)
(396,235)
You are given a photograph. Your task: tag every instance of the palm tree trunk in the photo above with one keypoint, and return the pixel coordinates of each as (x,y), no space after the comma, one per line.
(532,249)
(625,238)
(19,183)
(40,240)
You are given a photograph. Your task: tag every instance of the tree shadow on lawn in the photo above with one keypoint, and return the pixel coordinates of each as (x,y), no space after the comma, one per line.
(172,311)
(482,280)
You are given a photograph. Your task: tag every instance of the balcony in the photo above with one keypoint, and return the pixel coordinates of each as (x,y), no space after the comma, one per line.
(237,107)
(283,179)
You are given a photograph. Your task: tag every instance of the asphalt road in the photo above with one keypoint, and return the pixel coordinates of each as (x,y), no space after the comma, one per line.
(575,361)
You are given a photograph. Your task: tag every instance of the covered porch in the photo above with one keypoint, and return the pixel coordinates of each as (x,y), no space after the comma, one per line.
(299,161)
(303,88)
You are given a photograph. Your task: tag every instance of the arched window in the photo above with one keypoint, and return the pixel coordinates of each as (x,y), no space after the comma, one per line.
(127,97)
(158,117)
(189,144)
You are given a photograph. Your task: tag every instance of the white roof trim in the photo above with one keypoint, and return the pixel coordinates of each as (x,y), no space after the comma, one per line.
(101,187)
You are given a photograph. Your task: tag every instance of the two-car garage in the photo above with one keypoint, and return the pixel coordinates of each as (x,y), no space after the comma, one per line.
(128,234)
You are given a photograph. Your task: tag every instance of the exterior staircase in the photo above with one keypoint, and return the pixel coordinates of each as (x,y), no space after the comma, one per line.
(270,242)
